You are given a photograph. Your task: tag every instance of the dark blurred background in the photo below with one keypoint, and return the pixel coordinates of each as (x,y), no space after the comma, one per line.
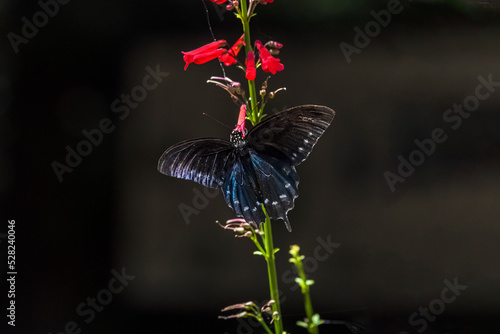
(396,250)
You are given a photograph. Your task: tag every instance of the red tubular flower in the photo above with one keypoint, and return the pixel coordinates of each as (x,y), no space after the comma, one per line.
(229,57)
(240,126)
(204,54)
(269,63)
(220,2)
(250,72)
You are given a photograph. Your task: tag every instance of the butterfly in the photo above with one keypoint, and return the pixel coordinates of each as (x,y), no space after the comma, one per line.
(253,169)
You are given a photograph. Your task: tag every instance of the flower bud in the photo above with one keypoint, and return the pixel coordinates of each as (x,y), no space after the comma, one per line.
(273,45)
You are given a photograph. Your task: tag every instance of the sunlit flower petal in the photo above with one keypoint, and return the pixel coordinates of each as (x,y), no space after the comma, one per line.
(204,53)
(250,72)
(269,63)
(229,57)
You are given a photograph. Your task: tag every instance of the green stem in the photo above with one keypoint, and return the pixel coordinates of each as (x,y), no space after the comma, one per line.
(245,20)
(308,306)
(312,326)
(271,269)
(268,234)
(263,324)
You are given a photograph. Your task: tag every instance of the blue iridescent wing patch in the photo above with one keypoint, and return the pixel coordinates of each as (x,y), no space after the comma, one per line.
(255,181)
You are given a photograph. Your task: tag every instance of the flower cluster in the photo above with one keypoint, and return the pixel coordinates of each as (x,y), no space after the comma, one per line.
(240,227)
(228,57)
(256,55)
(250,309)
(212,51)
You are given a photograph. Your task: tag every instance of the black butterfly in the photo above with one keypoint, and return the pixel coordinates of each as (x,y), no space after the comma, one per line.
(255,169)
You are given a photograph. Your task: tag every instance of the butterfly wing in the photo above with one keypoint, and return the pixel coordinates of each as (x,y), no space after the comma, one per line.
(200,160)
(291,134)
(254,181)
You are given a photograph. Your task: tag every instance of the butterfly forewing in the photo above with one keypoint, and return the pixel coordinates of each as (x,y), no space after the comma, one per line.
(201,160)
(291,134)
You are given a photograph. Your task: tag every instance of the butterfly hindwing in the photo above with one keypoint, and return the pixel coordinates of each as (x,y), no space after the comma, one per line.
(202,160)
(255,180)
(291,134)
(279,185)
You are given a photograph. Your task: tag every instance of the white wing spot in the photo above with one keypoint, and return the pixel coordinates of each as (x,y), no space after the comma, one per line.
(246,208)
(258,203)
(274,203)
(266,200)
(283,196)
(310,133)
(306,141)
(288,185)
(254,209)
(236,202)
(301,148)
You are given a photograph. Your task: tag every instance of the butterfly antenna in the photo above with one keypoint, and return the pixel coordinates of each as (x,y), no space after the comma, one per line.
(214,119)
(212,32)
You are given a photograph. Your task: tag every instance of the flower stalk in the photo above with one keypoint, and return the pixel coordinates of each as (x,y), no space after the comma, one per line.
(271,270)
(312,321)
(248,310)
(255,58)
(266,249)
(253,115)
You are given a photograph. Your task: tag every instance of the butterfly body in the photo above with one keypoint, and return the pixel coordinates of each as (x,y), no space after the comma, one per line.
(256,169)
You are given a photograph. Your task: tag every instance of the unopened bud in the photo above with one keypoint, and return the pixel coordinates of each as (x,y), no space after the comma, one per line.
(235,99)
(274,52)
(273,45)
(264,84)
(272,94)
(236,86)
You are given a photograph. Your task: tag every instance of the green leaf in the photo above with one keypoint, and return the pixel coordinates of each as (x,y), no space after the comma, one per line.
(301,324)
(299,281)
(257,253)
(316,319)
(309,282)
